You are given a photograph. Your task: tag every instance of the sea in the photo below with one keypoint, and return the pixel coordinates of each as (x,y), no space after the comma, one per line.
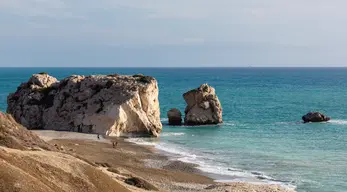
(262,139)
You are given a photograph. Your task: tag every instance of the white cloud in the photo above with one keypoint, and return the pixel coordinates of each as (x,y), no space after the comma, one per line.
(309,24)
(37,8)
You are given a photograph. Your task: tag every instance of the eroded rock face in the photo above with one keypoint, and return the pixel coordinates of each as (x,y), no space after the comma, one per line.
(315,117)
(42,80)
(175,117)
(203,106)
(112,105)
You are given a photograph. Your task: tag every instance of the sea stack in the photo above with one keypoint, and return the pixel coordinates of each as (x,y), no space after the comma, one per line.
(203,106)
(175,117)
(111,105)
(315,117)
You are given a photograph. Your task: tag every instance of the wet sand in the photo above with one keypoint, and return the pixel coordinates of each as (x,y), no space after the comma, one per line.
(130,160)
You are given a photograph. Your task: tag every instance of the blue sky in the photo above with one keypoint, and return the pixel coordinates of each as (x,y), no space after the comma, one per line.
(173,33)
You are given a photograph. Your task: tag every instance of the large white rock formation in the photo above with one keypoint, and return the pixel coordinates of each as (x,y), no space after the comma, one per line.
(203,106)
(112,105)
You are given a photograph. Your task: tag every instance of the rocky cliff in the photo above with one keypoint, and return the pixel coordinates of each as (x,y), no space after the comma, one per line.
(106,104)
(203,106)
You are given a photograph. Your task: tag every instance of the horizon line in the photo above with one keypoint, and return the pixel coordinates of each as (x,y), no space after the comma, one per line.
(177,67)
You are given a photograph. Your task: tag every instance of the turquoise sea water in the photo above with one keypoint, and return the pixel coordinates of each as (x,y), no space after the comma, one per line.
(262,139)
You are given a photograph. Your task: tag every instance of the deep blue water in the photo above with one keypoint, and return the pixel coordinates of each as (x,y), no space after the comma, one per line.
(262,134)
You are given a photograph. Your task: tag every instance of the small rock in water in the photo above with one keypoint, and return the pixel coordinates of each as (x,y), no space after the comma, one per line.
(175,116)
(315,117)
(261,177)
(256,173)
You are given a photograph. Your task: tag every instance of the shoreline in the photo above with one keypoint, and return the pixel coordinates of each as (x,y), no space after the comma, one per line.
(250,177)
(147,162)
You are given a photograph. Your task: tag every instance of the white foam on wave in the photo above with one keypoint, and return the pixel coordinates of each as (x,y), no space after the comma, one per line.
(220,170)
(288,123)
(229,123)
(240,175)
(338,121)
(164,147)
(177,151)
(282,123)
(171,134)
(182,154)
(141,141)
(164,119)
(333,121)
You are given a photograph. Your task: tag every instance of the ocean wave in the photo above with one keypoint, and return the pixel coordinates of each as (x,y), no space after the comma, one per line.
(164,119)
(338,121)
(238,175)
(206,163)
(170,148)
(229,123)
(202,126)
(262,176)
(171,134)
(288,123)
(141,141)
(333,121)
(282,123)
(221,170)
(177,152)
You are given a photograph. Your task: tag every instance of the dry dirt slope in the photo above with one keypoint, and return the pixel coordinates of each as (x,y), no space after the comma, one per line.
(14,135)
(28,164)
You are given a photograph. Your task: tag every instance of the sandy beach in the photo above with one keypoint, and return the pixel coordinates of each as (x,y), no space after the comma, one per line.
(130,160)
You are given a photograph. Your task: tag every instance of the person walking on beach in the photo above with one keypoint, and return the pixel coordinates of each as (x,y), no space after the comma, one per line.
(98,136)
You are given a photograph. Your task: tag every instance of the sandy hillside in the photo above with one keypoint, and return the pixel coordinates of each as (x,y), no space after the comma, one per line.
(14,135)
(29,164)
(50,171)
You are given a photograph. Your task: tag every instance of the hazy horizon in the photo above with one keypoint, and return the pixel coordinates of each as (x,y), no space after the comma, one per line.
(188,67)
(163,33)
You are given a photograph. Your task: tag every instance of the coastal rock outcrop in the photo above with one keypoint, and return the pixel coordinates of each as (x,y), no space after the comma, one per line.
(110,105)
(203,106)
(175,117)
(315,117)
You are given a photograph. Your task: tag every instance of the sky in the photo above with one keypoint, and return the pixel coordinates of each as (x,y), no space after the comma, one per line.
(173,33)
